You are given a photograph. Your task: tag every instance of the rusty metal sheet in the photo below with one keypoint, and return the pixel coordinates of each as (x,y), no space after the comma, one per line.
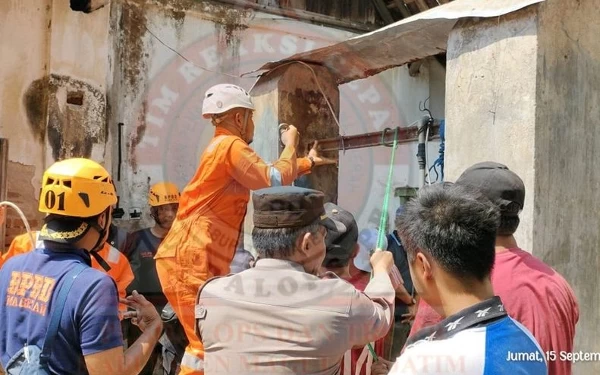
(423,35)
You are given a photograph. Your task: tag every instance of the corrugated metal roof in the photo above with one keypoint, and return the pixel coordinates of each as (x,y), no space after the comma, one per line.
(413,38)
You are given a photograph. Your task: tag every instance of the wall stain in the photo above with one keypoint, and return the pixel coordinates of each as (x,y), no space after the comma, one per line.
(130,42)
(137,135)
(72,130)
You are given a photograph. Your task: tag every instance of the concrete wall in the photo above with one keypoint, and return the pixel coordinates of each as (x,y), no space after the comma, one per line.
(28,42)
(567,150)
(51,56)
(491,101)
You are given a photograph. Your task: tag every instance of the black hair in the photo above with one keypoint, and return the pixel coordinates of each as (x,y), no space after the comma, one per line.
(508,225)
(279,243)
(453,225)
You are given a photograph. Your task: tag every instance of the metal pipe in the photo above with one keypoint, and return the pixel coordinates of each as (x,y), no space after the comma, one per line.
(421,152)
(119,145)
(3,185)
(382,138)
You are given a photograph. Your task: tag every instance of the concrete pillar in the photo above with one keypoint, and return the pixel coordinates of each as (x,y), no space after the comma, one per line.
(490,100)
(524,90)
(566,220)
(291,95)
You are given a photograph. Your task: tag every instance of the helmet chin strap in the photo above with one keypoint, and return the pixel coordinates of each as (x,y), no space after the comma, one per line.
(100,243)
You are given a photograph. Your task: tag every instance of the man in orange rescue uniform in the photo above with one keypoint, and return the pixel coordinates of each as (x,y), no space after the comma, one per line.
(203,239)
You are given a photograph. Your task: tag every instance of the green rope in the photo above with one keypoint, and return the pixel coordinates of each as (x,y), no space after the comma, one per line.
(381,234)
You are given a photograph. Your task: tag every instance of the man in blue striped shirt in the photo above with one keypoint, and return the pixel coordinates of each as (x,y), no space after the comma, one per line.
(449,233)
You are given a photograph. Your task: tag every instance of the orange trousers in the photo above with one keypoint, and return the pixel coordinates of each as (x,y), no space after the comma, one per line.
(181,292)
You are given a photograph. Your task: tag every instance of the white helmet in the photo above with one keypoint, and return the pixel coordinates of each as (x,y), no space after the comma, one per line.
(221,98)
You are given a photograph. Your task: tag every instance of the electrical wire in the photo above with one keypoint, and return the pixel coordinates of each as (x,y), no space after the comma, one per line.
(337,122)
(23,218)
(246,75)
(427,154)
(186,59)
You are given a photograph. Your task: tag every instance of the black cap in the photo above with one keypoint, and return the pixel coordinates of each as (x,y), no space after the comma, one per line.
(501,185)
(291,207)
(340,245)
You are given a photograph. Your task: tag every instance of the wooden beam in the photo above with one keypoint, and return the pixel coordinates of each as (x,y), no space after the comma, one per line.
(421,4)
(383,11)
(442,2)
(403,9)
(302,15)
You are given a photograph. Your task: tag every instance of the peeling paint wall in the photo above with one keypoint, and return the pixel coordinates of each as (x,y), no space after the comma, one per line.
(24,60)
(53,97)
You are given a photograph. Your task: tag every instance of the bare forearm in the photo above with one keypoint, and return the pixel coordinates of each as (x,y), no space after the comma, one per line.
(137,355)
(403,295)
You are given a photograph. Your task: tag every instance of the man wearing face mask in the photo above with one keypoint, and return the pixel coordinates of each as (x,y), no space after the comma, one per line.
(280,317)
(204,236)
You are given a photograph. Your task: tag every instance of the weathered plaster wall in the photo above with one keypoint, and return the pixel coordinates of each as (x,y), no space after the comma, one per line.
(54,69)
(77,82)
(24,58)
(491,101)
(567,149)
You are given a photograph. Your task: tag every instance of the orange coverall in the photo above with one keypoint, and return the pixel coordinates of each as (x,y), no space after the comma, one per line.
(203,238)
(120,270)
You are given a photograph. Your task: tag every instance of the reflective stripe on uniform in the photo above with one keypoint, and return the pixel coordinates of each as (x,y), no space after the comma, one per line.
(193,362)
(38,243)
(275,176)
(113,255)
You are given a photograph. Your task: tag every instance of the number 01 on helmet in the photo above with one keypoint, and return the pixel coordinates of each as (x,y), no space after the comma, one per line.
(76,187)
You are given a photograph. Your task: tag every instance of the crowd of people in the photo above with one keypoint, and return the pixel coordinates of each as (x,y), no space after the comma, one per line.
(450,292)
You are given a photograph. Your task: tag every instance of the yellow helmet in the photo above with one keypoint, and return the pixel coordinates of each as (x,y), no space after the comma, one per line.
(76,187)
(163,193)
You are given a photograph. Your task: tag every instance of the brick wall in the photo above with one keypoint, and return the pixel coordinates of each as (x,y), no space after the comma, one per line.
(22,193)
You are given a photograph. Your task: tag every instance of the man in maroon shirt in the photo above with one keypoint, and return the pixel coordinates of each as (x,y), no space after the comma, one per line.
(533,293)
